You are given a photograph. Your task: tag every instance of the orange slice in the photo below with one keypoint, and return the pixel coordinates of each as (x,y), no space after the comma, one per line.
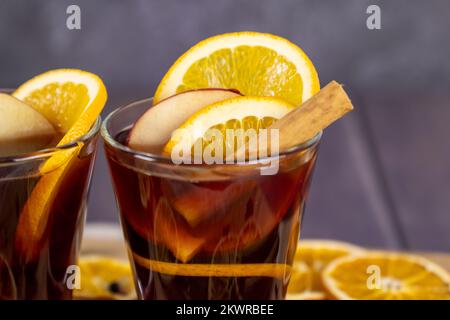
(386,276)
(316,255)
(256,64)
(235,113)
(300,282)
(71,100)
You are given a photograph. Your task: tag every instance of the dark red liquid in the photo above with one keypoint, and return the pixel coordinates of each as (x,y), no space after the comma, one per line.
(246,220)
(43,276)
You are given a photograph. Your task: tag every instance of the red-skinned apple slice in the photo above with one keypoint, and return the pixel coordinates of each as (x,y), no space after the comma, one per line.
(154,128)
(22,129)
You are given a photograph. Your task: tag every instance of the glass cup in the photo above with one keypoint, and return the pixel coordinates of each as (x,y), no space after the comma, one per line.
(42,214)
(207,231)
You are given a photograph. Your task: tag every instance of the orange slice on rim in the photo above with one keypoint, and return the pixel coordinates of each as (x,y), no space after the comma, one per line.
(71,100)
(256,64)
(235,113)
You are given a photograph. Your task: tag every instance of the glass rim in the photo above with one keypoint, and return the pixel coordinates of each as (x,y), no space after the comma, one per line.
(47,152)
(152,157)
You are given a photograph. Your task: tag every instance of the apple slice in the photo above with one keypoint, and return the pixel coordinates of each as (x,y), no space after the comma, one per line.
(173,234)
(251,220)
(22,128)
(199,202)
(154,128)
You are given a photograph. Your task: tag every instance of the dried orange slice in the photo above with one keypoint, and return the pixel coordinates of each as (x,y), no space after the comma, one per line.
(316,255)
(105,278)
(71,100)
(256,64)
(300,283)
(386,276)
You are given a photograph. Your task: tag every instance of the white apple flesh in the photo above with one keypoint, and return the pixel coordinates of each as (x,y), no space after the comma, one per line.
(22,128)
(154,128)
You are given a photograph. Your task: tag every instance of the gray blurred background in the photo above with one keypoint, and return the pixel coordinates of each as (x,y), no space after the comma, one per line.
(383,175)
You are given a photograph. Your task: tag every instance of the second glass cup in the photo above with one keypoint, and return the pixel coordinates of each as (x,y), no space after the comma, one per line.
(42,216)
(207,231)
